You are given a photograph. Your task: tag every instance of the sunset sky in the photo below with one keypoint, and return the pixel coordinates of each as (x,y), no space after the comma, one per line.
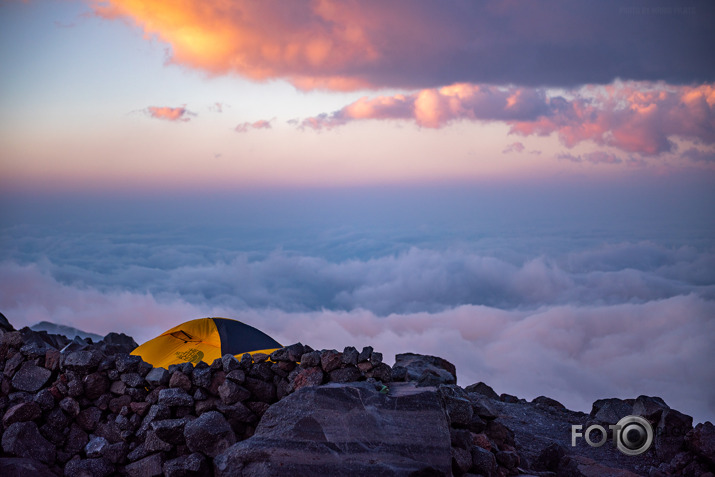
(524,188)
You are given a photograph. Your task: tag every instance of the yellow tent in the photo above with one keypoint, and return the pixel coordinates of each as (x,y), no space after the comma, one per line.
(205,340)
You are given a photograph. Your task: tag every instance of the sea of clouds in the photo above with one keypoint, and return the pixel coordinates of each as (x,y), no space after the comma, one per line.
(573,309)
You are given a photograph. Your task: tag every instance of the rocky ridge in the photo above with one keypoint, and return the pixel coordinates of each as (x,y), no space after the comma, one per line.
(78,408)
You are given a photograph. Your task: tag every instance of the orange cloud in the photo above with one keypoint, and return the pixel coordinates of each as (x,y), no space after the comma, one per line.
(352,44)
(634,117)
(169,114)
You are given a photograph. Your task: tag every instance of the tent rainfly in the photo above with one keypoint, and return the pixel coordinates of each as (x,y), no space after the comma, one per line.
(205,340)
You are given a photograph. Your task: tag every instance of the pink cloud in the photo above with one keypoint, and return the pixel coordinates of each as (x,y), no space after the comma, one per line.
(169,114)
(513,147)
(641,118)
(260,124)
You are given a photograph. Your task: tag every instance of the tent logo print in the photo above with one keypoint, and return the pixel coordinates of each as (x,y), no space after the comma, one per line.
(190,355)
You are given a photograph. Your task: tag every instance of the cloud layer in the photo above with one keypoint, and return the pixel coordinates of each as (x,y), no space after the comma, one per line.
(633,117)
(345,45)
(574,353)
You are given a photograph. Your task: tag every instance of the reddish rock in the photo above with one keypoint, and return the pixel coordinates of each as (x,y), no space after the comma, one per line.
(26,411)
(308,377)
(180,380)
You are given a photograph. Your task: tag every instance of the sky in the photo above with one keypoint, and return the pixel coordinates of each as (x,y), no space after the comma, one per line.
(525,189)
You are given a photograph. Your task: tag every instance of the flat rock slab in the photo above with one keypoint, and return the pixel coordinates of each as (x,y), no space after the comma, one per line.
(346,429)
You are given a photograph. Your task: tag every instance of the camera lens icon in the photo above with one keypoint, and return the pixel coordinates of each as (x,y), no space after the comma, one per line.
(633,435)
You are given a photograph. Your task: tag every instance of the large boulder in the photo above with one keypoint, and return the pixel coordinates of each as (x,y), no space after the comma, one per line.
(426,370)
(346,429)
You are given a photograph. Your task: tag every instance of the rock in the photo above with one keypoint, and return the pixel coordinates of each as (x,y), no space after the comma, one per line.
(261,390)
(365,354)
(610,411)
(483,389)
(345,375)
(95,385)
(157,377)
(549,458)
(23,439)
(310,359)
(201,377)
(670,433)
(650,407)
(327,430)
(427,370)
(127,363)
(229,363)
(350,356)
(146,467)
(547,402)
(457,403)
(96,447)
(482,406)
(45,399)
(580,466)
(156,412)
(237,376)
(375,358)
(330,360)
(89,418)
(83,361)
(133,380)
(118,387)
(231,392)
(5,324)
(30,378)
(510,398)
(508,459)
(381,372)
(701,441)
(483,461)
(191,465)
(170,430)
(308,377)
(76,440)
(173,397)
(52,359)
(209,434)
(461,460)
(180,380)
(26,411)
(70,406)
(99,467)
(22,467)
(153,443)
(116,343)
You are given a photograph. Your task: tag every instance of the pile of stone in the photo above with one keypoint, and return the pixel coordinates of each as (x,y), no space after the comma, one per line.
(92,409)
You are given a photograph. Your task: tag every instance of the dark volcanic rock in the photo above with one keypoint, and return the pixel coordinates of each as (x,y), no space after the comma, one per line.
(175,397)
(146,467)
(610,411)
(483,389)
(23,439)
(191,465)
(346,429)
(23,467)
(25,411)
(30,378)
(83,361)
(209,434)
(427,370)
(99,467)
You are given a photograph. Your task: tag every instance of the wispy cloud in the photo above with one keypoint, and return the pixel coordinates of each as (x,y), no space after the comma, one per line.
(180,114)
(596,157)
(633,117)
(347,45)
(247,126)
(513,147)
